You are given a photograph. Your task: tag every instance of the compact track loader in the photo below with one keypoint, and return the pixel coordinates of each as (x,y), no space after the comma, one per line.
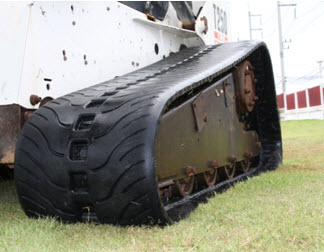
(140,148)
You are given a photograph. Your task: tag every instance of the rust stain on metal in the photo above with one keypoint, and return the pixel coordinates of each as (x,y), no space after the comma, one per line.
(245,88)
(8,157)
(34,99)
(190,171)
(247,91)
(247,72)
(9,130)
(200,108)
(150,17)
(190,27)
(204,19)
(232,158)
(213,164)
(12,120)
(248,154)
(27,115)
(205,118)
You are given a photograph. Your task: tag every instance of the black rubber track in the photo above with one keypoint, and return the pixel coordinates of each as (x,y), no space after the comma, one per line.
(90,154)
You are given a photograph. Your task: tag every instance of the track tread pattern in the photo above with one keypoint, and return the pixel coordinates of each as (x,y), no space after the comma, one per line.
(36,163)
(54,152)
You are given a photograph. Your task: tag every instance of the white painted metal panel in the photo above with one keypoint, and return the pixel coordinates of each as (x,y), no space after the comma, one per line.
(100,40)
(13,33)
(217,16)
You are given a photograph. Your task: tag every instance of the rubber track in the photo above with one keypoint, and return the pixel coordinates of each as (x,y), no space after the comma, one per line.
(115,123)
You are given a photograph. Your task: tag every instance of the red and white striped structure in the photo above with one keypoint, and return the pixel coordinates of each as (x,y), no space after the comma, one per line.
(304,104)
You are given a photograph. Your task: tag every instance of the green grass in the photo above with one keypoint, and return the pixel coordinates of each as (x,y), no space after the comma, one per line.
(277,211)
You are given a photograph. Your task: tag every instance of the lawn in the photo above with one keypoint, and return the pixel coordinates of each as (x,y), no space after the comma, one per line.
(281,210)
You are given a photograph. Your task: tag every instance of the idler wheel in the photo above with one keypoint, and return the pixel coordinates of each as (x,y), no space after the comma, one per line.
(185,185)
